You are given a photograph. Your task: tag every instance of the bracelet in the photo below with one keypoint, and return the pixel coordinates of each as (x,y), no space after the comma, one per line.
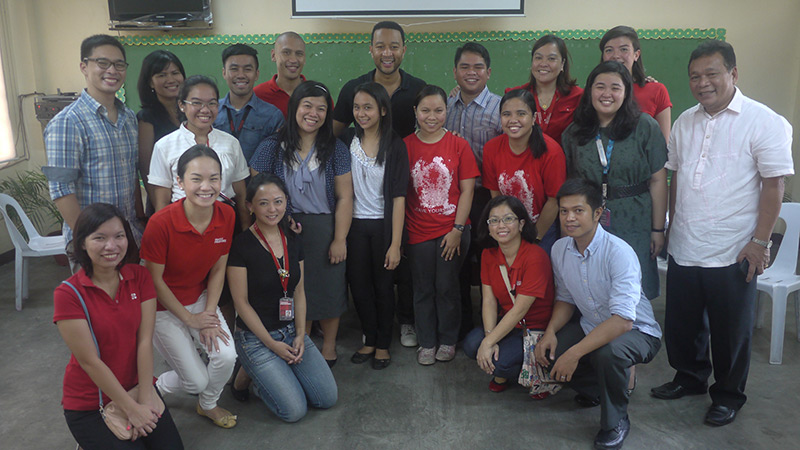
(459,227)
(658,230)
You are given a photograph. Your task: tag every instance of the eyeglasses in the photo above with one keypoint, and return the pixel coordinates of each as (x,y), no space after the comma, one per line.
(213,104)
(507,220)
(104,63)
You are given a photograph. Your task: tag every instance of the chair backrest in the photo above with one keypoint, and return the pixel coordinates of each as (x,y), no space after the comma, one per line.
(16,237)
(786,260)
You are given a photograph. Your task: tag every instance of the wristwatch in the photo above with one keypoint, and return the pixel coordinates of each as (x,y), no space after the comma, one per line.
(765,244)
(459,227)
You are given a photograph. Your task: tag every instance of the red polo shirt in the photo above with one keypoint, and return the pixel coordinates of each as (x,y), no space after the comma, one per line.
(187,255)
(270,92)
(531,274)
(652,98)
(115,323)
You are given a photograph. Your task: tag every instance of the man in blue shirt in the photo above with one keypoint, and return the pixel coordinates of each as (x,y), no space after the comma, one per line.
(598,274)
(242,114)
(475,115)
(92,149)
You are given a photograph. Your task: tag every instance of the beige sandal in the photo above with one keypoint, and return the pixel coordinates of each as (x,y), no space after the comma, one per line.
(226,421)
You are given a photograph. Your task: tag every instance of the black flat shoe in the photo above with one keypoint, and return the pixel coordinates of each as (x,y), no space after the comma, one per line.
(241,395)
(719,415)
(380,364)
(672,391)
(612,439)
(586,401)
(331,362)
(361,358)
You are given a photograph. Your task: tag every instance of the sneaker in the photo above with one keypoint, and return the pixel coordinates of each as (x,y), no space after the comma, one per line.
(426,356)
(446,353)
(408,336)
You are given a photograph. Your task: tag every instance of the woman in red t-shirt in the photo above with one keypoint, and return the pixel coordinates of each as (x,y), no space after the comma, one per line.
(507,234)
(120,300)
(440,188)
(621,43)
(526,164)
(556,94)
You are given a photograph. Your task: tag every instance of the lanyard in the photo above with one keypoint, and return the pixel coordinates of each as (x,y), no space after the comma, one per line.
(236,130)
(283,271)
(605,156)
(542,119)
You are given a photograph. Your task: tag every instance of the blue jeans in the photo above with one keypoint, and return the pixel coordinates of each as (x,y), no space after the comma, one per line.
(510,356)
(286,389)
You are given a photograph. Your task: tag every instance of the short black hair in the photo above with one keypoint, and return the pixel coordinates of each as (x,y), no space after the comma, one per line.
(262,178)
(581,186)
(709,48)
(428,90)
(98,40)
(388,24)
(193,152)
(473,47)
(89,220)
(239,49)
(528,232)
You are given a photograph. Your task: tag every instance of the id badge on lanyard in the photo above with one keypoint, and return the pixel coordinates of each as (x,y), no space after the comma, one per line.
(604,154)
(286,308)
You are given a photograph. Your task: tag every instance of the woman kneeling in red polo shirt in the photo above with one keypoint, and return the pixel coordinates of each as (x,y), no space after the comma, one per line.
(185,247)
(119,299)
(507,234)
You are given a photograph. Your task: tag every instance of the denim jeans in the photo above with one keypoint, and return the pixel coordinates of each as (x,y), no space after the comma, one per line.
(286,389)
(511,355)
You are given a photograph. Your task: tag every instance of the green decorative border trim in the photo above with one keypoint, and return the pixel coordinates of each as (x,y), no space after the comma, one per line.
(361,38)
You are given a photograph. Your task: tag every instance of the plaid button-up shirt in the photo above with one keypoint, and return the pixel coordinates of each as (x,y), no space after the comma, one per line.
(93,158)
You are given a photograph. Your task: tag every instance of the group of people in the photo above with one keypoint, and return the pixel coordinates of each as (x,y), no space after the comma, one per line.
(251,195)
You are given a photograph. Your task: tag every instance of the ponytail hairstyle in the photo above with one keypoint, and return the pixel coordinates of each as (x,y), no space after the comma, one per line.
(536,141)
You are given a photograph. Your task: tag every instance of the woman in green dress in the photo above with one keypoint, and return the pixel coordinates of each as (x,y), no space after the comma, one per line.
(615,145)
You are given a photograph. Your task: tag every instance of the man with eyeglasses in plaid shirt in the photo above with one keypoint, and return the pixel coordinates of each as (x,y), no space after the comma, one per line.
(91,145)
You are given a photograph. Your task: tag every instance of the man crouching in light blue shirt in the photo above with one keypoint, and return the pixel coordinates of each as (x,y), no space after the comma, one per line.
(600,275)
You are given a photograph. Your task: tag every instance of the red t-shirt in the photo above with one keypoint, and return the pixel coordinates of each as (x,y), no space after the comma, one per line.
(531,274)
(557,117)
(187,255)
(116,324)
(270,92)
(531,180)
(652,98)
(433,184)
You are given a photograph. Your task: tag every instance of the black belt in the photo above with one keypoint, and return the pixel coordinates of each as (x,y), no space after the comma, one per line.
(631,190)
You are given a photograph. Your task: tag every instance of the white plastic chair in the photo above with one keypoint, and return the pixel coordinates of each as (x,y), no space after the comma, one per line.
(780,280)
(36,246)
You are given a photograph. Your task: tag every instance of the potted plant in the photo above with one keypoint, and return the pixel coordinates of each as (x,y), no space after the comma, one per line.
(30,189)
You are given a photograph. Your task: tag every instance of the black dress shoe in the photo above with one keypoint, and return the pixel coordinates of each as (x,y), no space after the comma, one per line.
(380,364)
(331,362)
(613,438)
(361,358)
(672,390)
(719,415)
(586,401)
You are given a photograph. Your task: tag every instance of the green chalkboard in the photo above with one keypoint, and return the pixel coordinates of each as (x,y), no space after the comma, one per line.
(334,61)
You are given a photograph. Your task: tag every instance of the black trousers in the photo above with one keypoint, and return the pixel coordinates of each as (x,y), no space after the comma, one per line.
(604,372)
(370,283)
(710,308)
(471,270)
(91,432)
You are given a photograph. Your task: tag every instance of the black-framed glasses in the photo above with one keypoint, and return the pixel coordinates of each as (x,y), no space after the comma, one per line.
(104,63)
(507,220)
(213,104)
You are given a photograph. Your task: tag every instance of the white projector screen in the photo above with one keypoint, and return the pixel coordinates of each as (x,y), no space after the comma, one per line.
(399,8)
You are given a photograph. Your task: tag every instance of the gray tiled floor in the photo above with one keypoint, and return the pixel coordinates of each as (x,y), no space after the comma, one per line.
(405,406)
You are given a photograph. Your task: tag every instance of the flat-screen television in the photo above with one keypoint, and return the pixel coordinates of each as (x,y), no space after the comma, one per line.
(157,10)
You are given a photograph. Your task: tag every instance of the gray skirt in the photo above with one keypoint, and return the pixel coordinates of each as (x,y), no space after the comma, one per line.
(325,283)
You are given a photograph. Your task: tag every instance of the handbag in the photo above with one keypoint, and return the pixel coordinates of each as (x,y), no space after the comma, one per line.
(532,375)
(115,418)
